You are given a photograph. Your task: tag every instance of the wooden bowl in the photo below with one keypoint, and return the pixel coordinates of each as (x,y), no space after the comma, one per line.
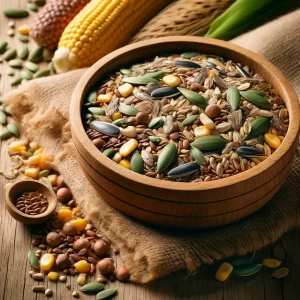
(174,204)
(14,190)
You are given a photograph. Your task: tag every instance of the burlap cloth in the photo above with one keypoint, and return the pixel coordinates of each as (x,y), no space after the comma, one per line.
(42,109)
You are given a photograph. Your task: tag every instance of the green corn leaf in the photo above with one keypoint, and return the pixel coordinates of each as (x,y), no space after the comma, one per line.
(244,15)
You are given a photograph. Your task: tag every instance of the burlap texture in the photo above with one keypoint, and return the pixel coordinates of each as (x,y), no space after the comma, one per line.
(42,109)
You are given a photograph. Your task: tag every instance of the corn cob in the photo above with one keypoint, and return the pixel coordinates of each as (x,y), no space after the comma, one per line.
(51,21)
(101,27)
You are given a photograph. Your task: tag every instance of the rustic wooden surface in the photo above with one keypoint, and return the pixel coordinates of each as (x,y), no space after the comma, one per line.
(15,242)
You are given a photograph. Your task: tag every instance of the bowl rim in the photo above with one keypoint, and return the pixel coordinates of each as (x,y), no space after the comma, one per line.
(289,96)
(18,184)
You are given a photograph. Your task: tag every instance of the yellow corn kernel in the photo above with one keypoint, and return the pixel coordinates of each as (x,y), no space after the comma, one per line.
(80,225)
(32,172)
(104,98)
(53,276)
(53,179)
(125,163)
(34,146)
(126,89)
(76,209)
(117,116)
(201,131)
(271,263)
(272,140)
(224,271)
(48,157)
(44,164)
(34,160)
(23,29)
(47,261)
(81,279)
(171,80)
(25,154)
(38,151)
(17,146)
(128,147)
(82,266)
(64,215)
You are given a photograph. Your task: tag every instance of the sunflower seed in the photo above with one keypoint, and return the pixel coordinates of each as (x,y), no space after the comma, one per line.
(184,170)
(105,128)
(249,151)
(165,92)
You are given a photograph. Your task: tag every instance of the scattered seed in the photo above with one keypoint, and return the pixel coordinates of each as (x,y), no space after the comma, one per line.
(15,63)
(38,289)
(36,54)
(26,75)
(32,7)
(10,54)
(15,13)
(246,270)
(24,52)
(280,273)
(5,135)
(3,47)
(42,73)
(48,292)
(23,38)
(106,294)
(14,129)
(3,118)
(17,81)
(32,66)
(33,260)
(92,287)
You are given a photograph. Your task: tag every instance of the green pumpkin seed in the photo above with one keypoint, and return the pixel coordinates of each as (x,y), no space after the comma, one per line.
(24,81)
(258,126)
(119,122)
(40,2)
(7,109)
(92,97)
(140,80)
(255,98)
(24,52)
(246,270)
(188,55)
(44,173)
(92,287)
(197,155)
(209,142)
(233,97)
(261,139)
(189,120)
(23,38)
(14,129)
(155,139)
(109,152)
(128,110)
(106,294)
(31,66)
(137,163)
(15,13)
(26,75)
(194,97)
(280,273)
(10,54)
(3,47)
(42,73)
(5,135)
(51,66)
(156,123)
(10,72)
(166,157)
(125,71)
(15,63)
(33,260)
(16,81)
(98,111)
(32,7)
(3,118)
(36,54)
(155,75)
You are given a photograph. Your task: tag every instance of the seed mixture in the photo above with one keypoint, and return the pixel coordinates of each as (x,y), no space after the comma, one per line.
(32,203)
(189,117)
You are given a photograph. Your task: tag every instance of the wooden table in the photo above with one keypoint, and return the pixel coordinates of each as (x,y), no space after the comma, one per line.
(15,242)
